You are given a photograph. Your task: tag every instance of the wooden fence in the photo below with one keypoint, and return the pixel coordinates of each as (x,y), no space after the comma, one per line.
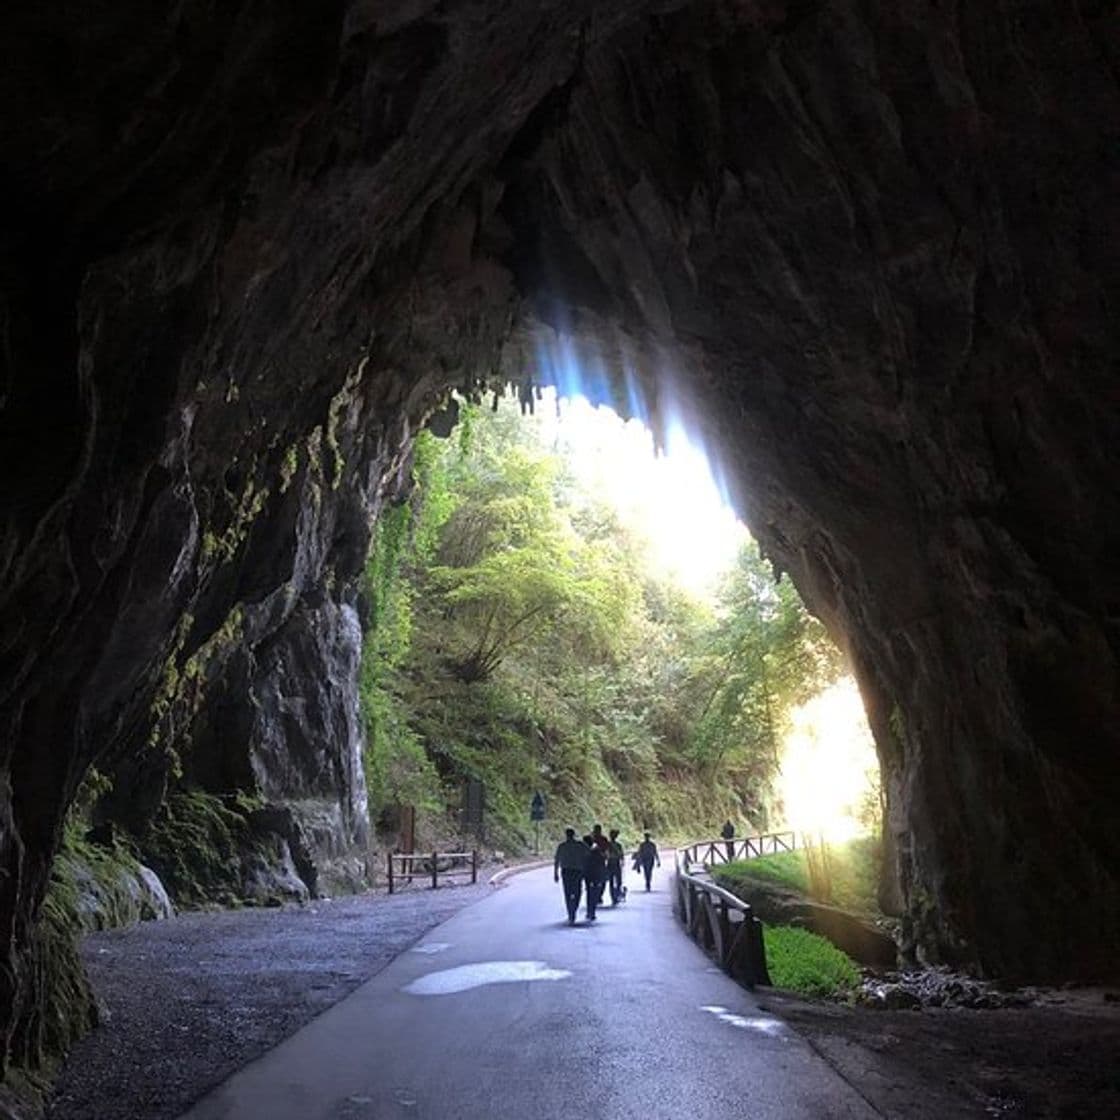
(405,867)
(708,852)
(723,925)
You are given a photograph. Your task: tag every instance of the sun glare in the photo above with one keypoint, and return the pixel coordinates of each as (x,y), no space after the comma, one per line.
(670,497)
(829,765)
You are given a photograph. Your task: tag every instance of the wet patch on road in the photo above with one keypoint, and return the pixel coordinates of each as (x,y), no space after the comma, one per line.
(432,947)
(467,976)
(775,1028)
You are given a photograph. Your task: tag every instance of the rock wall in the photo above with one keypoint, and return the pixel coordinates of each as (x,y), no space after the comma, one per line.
(869,249)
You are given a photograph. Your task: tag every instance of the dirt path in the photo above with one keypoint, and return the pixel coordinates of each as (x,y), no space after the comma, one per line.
(1056,1060)
(193,999)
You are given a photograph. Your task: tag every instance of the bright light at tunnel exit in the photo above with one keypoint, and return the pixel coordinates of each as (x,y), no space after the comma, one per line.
(829,765)
(670,498)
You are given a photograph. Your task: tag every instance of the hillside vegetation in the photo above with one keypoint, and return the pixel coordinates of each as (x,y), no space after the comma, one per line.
(517,635)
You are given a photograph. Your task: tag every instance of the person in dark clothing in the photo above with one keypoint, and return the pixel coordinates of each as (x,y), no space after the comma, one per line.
(570,863)
(595,872)
(615,855)
(728,833)
(647,857)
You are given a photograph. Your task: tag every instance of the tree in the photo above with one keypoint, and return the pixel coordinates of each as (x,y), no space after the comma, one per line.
(517,636)
(766,655)
(511,567)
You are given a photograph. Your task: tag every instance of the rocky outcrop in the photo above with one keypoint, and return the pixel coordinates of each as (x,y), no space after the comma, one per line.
(108,894)
(867,251)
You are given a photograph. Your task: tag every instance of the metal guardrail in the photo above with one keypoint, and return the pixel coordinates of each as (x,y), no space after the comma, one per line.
(721,923)
(433,865)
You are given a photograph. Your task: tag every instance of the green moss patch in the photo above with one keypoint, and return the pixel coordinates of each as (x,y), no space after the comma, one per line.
(196,845)
(101,886)
(63,1006)
(804,962)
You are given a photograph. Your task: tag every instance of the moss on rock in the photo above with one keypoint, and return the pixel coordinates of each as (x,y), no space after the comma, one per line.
(222,850)
(65,1007)
(195,846)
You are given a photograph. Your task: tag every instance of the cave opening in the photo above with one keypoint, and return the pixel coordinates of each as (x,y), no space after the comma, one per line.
(565,602)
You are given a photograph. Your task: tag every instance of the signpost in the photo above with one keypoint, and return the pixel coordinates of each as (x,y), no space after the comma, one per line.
(536,815)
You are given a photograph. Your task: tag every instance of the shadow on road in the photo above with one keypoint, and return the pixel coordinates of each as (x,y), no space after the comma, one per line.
(581,923)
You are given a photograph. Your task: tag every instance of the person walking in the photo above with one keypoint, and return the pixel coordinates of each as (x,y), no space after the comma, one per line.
(728,834)
(615,855)
(570,863)
(647,857)
(595,872)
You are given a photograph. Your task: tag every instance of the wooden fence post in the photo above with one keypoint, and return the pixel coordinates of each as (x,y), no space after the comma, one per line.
(723,921)
(474,865)
(756,955)
(390,872)
(435,870)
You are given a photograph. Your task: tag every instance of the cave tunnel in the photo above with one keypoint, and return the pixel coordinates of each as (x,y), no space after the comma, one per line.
(871,249)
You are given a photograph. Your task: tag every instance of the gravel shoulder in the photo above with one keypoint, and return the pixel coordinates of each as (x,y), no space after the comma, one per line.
(190,1000)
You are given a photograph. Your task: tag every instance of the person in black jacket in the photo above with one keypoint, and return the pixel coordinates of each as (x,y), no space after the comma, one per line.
(616,853)
(646,857)
(595,872)
(728,833)
(571,863)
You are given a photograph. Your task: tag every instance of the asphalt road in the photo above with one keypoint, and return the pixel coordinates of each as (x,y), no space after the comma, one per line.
(505,1012)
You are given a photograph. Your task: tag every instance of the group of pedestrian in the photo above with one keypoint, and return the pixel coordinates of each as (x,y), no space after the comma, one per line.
(595,864)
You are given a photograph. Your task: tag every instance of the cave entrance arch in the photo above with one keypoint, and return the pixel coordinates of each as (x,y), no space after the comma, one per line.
(231,296)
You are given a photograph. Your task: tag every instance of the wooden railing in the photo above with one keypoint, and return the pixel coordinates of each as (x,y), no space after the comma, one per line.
(723,925)
(708,852)
(405,867)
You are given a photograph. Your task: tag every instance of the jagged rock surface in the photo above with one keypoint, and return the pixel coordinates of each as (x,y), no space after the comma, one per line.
(869,249)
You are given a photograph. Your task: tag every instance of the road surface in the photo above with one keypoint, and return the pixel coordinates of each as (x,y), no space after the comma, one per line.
(506,1012)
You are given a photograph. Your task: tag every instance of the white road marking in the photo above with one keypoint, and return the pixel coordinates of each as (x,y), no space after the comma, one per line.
(774,1027)
(468,976)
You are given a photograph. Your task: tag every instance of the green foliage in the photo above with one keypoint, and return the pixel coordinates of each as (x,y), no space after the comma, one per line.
(786,869)
(397,767)
(765,656)
(515,636)
(852,874)
(196,845)
(511,567)
(805,962)
(64,1007)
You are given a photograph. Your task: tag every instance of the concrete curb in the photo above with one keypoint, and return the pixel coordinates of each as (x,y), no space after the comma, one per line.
(500,877)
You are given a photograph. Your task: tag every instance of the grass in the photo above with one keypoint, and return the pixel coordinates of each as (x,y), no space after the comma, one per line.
(787,869)
(852,874)
(803,962)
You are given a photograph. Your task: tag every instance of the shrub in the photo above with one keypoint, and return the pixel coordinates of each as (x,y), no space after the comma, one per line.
(804,962)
